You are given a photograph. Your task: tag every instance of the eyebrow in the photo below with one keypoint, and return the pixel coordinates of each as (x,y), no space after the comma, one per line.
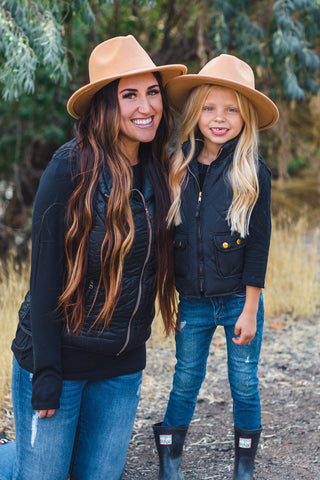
(135,89)
(210,103)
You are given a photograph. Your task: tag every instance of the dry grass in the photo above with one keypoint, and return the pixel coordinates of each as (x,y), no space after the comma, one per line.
(13,285)
(293,275)
(292,287)
(292,283)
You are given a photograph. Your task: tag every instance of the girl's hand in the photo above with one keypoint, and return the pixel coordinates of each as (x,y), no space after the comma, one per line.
(246,328)
(246,325)
(45,413)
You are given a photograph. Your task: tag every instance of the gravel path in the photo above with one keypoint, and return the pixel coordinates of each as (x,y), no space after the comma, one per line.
(290,397)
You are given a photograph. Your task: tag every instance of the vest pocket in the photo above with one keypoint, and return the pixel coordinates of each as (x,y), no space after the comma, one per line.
(180,258)
(229,254)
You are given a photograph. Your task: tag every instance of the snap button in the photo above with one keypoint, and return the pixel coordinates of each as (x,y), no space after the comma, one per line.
(239,241)
(225,244)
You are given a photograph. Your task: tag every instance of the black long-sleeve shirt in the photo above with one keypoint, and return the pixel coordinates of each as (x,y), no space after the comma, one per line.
(42,352)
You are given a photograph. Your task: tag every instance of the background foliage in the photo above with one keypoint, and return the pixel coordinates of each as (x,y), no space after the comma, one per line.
(44,50)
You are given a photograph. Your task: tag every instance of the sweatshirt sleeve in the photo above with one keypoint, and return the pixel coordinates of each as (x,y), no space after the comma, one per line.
(47,263)
(258,240)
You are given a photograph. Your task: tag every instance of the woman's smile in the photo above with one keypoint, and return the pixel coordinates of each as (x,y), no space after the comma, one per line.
(143,122)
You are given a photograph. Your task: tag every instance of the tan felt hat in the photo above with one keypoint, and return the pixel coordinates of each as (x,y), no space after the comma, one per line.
(227,71)
(117,58)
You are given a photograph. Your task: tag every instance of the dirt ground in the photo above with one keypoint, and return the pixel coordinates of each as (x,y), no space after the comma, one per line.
(290,397)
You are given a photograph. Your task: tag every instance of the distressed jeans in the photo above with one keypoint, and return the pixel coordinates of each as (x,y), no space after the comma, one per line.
(87,437)
(199,320)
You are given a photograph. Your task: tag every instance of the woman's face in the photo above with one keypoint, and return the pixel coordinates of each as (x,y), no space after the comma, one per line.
(220,119)
(140,103)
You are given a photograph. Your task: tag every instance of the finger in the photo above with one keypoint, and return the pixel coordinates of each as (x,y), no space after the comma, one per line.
(45,413)
(241,340)
(237,340)
(237,330)
(42,413)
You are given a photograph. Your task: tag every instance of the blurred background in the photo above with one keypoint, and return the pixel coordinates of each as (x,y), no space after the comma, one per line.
(44,51)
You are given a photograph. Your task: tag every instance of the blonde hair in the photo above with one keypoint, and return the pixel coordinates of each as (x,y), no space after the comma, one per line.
(243,171)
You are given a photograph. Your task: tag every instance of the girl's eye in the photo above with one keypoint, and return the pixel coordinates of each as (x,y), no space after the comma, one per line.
(207,109)
(233,110)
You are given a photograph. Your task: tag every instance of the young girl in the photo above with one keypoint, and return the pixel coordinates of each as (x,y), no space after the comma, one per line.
(221,208)
(100,252)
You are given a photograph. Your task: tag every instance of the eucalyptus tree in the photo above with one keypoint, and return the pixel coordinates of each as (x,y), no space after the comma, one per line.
(44,48)
(32,36)
(280,39)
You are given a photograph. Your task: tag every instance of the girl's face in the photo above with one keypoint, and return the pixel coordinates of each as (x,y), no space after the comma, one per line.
(140,104)
(220,118)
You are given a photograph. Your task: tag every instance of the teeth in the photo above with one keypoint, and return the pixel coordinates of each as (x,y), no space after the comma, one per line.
(145,121)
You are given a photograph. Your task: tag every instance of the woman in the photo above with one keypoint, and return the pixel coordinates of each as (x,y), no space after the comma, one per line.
(221,208)
(100,255)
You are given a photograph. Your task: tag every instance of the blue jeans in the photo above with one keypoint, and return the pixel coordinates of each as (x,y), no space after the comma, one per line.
(199,320)
(87,437)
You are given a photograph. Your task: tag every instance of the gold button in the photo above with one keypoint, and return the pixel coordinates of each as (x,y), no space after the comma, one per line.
(239,241)
(179,244)
(225,244)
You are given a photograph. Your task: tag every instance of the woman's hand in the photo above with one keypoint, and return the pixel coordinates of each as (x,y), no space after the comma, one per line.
(45,413)
(246,325)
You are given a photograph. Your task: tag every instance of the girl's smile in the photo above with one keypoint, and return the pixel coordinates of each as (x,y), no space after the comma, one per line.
(219,131)
(220,120)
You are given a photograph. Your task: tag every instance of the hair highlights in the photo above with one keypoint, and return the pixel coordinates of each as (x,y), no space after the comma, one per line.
(243,173)
(98,135)
(179,163)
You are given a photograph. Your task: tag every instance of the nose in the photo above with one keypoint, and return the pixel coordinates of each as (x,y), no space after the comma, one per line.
(219,115)
(144,104)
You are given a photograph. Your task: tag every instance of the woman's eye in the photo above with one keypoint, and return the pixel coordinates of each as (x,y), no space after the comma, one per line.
(129,95)
(154,91)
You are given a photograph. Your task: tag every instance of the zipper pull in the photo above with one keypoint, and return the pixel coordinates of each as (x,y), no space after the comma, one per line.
(198,205)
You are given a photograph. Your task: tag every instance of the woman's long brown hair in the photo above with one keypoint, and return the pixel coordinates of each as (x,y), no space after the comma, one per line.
(98,143)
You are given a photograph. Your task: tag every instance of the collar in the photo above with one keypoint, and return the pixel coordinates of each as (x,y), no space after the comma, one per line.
(106,183)
(225,150)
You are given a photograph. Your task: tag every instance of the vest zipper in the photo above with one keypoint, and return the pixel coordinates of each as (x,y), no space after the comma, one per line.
(200,246)
(142,271)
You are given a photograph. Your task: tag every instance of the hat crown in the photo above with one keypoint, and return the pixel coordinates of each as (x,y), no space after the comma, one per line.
(116,57)
(230,68)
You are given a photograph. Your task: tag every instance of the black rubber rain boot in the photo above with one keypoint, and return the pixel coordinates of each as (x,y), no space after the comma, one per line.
(246,444)
(169,442)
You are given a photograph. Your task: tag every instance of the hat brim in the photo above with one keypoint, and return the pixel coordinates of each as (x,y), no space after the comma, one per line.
(179,88)
(79,101)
